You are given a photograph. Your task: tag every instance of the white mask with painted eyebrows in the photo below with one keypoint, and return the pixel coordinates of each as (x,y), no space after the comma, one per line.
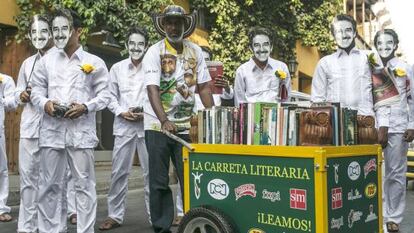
(344,33)
(261,47)
(39,34)
(61,31)
(385,45)
(136,46)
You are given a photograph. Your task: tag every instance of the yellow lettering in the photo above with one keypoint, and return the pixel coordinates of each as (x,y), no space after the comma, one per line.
(277,171)
(305,174)
(207,166)
(197,167)
(292,172)
(244,169)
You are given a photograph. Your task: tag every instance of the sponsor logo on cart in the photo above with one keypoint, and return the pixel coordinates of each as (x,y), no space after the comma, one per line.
(354,194)
(298,199)
(272,196)
(336,170)
(370,166)
(197,181)
(245,190)
(218,189)
(354,170)
(255,230)
(336,198)
(353,216)
(371,216)
(370,190)
(337,223)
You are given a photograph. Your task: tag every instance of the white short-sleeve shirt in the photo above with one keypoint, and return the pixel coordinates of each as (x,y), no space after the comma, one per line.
(177,75)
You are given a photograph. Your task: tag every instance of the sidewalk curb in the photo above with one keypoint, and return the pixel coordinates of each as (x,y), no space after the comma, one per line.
(103,179)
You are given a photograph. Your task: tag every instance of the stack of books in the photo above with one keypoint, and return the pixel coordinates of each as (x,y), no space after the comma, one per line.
(287,124)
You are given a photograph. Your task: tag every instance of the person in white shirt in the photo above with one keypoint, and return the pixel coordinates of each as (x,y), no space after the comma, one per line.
(262,78)
(127,87)
(345,71)
(170,104)
(222,83)
(399,130)
(70,85)
(7,103)
(29,151)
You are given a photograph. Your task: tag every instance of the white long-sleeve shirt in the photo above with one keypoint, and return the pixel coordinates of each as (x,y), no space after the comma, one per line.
(60,78)
(344,78)
(253,84)
(127,88)
(31,116)
(400,117)
(8,102)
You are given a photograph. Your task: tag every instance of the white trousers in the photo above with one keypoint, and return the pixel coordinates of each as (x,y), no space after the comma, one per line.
(179,201)
(29,161)
(395,167)
(68,201)
(53,165)
(122,159)
(4,177)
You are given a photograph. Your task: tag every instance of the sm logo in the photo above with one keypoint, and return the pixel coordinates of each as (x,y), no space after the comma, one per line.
(336,198)
(298,199)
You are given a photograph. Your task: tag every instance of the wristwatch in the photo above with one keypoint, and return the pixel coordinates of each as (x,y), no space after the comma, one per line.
(86,108)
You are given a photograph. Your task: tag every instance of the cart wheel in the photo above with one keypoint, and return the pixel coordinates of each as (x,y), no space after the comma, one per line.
(205,220)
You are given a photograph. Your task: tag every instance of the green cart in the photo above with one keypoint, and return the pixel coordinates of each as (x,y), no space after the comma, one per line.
(282,189)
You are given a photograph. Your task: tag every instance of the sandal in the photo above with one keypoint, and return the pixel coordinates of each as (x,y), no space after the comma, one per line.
(392,227)
(5,217)
(177,220)
(109,224)
(73,219)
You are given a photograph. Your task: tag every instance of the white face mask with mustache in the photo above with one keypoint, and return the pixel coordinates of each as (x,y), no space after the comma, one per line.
(62,31)
(385,45)
(261,47)
(344,33)
(136,46)
(39,34)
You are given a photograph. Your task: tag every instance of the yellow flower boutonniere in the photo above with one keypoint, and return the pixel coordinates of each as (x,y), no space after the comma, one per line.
(372,61)
(87,68)
(281,74)
(400,72)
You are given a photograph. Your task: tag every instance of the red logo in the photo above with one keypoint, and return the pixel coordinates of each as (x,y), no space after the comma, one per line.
(370,166)
(245,190)
(336,198)
(298,199)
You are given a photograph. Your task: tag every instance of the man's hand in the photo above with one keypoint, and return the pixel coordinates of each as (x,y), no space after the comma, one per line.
(76,110)
(138,116)
(25,97)
(130,116)
(169,126)
(49,108)
(383,136)
(222,82)
(409,135)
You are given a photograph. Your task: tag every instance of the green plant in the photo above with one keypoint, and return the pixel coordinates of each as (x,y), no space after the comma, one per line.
(307,20)
(115,16)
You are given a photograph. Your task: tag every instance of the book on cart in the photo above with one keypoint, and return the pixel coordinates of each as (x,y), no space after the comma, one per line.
(285,124)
